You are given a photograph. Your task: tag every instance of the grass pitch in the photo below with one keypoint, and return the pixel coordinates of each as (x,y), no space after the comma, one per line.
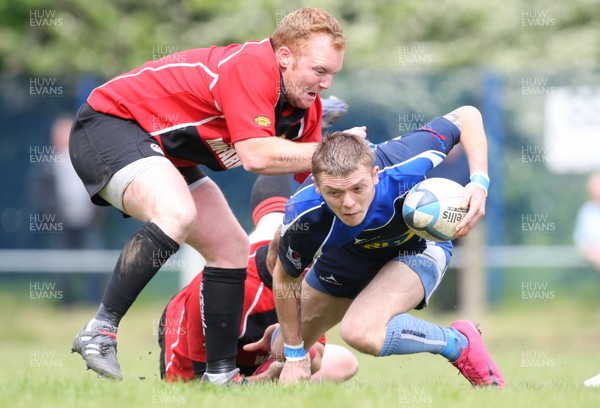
(544,348)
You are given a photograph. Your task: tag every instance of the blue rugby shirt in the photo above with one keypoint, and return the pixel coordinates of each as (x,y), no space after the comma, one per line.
(310,228)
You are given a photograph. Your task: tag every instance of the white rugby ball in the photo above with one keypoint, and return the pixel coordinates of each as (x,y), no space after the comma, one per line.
(432,208)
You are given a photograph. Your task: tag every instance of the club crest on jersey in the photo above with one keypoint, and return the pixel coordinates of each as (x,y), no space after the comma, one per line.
(262,120)
(294,258)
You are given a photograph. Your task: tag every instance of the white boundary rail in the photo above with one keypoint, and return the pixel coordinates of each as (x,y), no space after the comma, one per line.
(471,259)
(94,261)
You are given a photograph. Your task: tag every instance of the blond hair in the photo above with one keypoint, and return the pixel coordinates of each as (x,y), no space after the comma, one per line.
(296,28)
(340,154)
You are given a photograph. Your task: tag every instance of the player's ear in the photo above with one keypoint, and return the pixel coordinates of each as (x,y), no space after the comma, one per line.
(375,174)
(284,57)
(317,188)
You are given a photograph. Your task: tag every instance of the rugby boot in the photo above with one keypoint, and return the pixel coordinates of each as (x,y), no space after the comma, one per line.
(475,363)
(97,344)
(231,378)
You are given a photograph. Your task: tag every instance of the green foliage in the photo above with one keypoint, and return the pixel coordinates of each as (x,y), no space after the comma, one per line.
(108,37)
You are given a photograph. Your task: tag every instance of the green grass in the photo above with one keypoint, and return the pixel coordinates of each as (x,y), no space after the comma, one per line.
(545,349)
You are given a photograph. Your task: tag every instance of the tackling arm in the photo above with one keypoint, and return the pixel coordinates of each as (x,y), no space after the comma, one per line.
(274,155)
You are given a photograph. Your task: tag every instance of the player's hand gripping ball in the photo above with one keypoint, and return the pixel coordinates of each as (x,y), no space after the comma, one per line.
(432,208)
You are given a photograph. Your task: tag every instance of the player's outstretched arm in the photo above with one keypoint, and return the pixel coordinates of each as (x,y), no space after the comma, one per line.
(273,155)
(472,137)
(287,292)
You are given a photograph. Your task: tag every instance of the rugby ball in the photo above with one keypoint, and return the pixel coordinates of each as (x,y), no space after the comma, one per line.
(432,208)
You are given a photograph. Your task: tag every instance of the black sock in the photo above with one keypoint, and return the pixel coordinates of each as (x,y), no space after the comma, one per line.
(199,369)
(144,254)
(222,302)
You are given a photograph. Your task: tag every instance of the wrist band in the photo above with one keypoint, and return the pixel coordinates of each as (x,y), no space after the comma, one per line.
(294,353)
(294,359)
(481,180)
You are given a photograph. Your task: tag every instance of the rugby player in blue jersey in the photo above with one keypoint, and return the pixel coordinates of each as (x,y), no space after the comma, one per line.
(368,269)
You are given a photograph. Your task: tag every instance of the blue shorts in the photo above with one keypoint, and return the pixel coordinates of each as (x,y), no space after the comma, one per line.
(344,271)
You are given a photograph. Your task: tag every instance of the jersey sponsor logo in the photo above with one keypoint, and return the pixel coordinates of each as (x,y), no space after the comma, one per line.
(294,257)
(330,279)
(379,245)
(387,243)
(262,120)
(225,152)
(360,241)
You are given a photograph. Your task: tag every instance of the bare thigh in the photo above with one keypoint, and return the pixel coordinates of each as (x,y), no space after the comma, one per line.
(217,234)
(160,195)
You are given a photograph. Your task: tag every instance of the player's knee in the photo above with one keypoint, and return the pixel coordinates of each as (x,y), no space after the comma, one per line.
(234,255)
(359,337)
(178,221)
(348,368)
(239,248)
(185,218)
(241,242)
(347,364)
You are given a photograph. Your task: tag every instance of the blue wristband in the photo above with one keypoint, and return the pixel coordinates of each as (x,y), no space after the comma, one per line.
(482,180)
(294,353)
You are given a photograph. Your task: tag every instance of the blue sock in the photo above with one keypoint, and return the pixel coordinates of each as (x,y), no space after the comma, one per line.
(455,344)
(409,335)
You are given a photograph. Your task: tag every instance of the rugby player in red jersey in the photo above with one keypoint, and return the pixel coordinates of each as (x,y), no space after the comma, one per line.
(137,143)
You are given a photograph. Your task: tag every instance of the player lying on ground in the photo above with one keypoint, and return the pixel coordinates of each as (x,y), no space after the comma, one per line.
(369,269)
(181,338)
